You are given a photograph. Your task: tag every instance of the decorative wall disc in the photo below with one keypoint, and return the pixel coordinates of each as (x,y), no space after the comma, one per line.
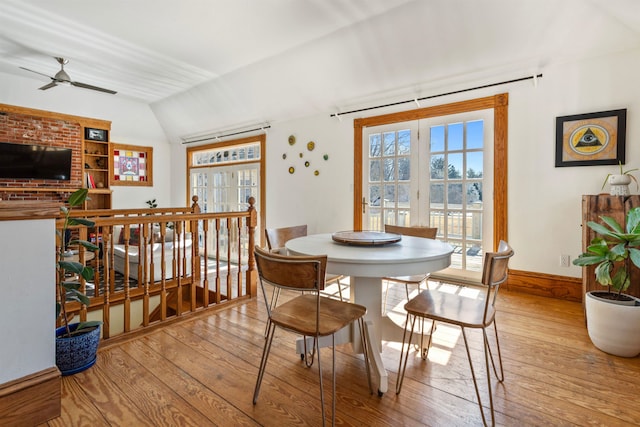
(292,139)
(311,145)
(292,169)
(284,156)
(316,172)
(306,164)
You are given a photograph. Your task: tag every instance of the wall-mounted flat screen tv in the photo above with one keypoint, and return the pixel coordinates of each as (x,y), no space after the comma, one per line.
(25,161)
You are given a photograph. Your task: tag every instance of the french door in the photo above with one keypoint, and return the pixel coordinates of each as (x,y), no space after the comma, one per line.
(225,189)
(435,172)
(224,176)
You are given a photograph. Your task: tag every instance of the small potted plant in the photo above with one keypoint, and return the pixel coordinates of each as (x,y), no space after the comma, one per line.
(613,318)
(77,343)
(619,183)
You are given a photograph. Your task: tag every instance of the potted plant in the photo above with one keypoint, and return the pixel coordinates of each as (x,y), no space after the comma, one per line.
(613,318)
(77,343)
(620,182)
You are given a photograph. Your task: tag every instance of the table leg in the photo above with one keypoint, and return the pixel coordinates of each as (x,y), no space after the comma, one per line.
(367,291)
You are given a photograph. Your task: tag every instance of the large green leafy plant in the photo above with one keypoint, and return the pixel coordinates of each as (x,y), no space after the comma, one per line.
(69,272)
(612,249)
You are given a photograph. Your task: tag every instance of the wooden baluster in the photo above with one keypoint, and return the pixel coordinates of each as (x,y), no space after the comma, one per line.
(146,244)
(96,262)
(152,264)
(185,270)
(127,296)
(218,293)
(205,280)
(176,266)
(107,242)
(163,272)
(82,233)
(238,222)
(229,287)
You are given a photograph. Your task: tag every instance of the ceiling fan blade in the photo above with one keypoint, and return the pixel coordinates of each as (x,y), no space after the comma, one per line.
(86,86)
(37,72)
(49,85)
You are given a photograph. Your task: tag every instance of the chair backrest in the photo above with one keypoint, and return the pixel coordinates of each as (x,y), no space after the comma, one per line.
(302,273)
(426,232)
(277,237)
(496,265)
(495,272)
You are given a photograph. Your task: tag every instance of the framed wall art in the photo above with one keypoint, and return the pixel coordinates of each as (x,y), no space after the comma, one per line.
(131,165)
(591,139)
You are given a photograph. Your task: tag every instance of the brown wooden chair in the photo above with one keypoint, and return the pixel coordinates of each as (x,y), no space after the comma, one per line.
(309,314)
(415,280)
(276,240)
(466,312)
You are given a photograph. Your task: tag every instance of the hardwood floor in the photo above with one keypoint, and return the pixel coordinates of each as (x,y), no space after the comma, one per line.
(201,371)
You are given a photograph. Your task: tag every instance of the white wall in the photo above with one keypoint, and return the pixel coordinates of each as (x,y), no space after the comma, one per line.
(131,123)
(323,202)
(27,306)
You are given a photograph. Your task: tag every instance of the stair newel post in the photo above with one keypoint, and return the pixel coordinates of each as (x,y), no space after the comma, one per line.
(252,274)
(195,208)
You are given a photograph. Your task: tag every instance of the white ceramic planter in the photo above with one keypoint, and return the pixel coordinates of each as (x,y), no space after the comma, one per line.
(613,328)
(619,185)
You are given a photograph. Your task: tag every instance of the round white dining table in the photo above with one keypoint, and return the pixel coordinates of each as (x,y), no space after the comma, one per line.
(366,266)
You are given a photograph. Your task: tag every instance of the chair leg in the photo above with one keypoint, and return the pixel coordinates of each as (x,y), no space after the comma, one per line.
(333,391)
(475,381)
(424,351)
(263,361)
(315,343)
(308,361)
(500,377)
(339,289)
(403,366)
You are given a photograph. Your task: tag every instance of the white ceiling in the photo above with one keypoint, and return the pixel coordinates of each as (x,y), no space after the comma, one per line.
(214,64)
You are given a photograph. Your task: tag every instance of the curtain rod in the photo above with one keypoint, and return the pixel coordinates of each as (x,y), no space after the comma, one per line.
(535,78)
(208,138)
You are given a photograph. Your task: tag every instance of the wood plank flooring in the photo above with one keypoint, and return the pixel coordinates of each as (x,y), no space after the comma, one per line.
(201,371)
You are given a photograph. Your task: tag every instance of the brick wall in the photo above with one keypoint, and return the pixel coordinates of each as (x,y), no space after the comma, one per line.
(31,129)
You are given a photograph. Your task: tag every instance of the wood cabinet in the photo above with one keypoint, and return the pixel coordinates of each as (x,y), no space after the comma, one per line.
(593,207)
(96,170)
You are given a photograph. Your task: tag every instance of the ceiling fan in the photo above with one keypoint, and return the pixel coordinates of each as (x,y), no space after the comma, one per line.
(62,77)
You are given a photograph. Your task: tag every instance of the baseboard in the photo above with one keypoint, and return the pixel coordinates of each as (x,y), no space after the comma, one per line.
(31,400)
(546,285)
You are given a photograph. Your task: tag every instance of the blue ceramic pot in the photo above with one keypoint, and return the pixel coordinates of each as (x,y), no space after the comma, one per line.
(76,353)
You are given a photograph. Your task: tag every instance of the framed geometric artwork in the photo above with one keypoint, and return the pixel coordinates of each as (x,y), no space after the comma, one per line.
(131,165)
(591,139)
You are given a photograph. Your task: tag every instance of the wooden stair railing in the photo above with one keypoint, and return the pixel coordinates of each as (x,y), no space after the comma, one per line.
(218,267)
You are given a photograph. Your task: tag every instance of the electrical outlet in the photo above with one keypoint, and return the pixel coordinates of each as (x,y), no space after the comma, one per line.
(565,260)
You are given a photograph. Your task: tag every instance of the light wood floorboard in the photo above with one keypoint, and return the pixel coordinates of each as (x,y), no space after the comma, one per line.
(201,371)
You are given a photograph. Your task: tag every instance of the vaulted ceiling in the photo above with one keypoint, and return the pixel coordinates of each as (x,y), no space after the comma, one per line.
(207,65)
